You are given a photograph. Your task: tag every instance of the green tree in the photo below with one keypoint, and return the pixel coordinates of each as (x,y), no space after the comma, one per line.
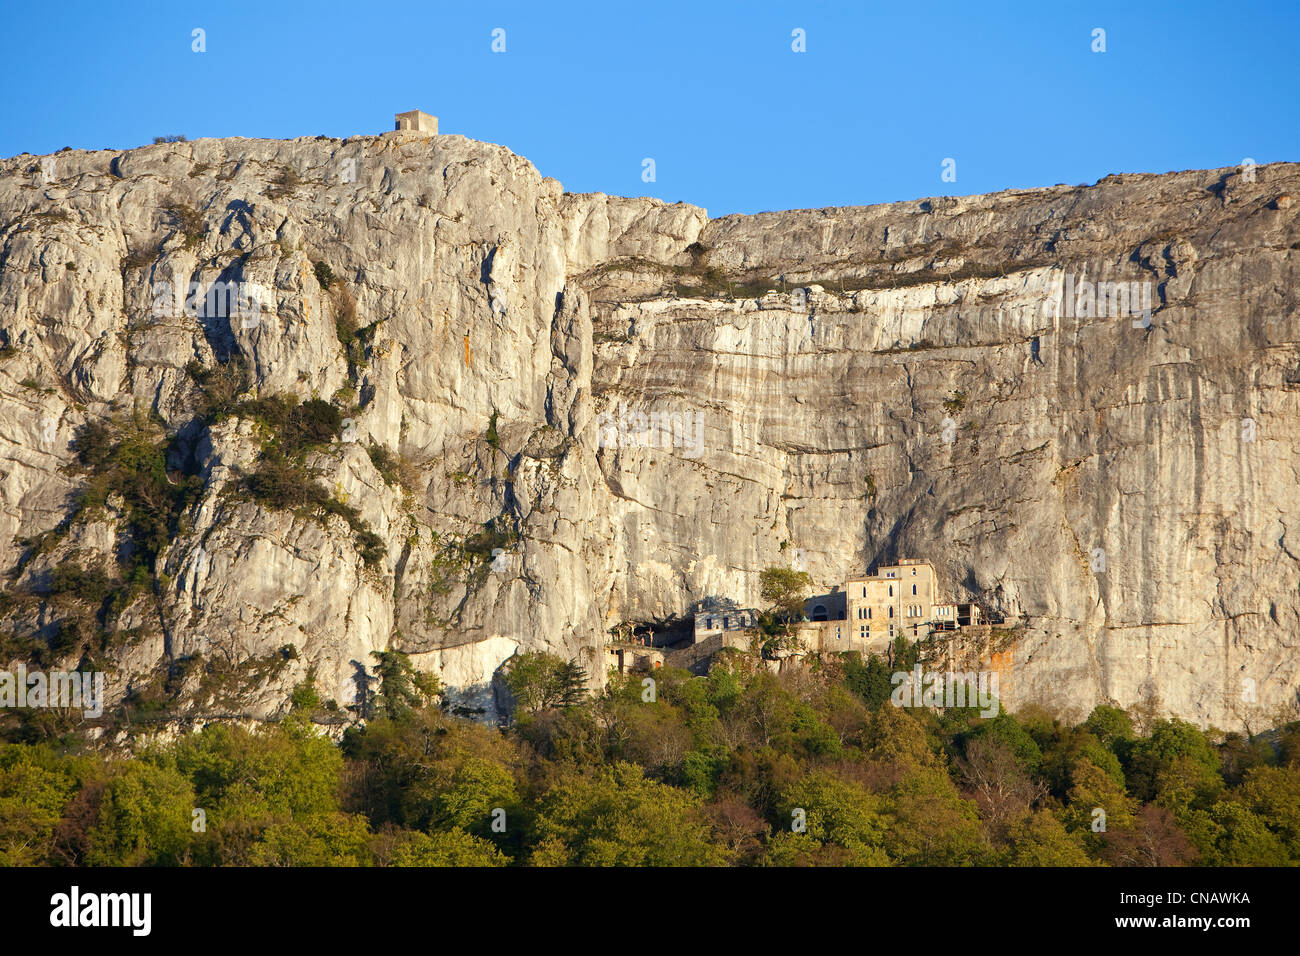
(320,839)
(1240,754)
(538,680)
(1094,789)
(1168,740)
(785,590)
(1240,837)
(245,782)
(36,784)
(898,740)
(1110,725)
(1273,793)
(616,817)
(1041,840)
(468,791)
(1186,784)
(431,772)
(932,825)
(906,653)
(571,683)
(1005,729)
(144,817)
(832,811)
(401,687)
(871,680)
(454,847)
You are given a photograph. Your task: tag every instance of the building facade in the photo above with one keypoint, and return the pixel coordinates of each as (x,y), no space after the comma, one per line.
(866,615)
(709,623)
(416,121)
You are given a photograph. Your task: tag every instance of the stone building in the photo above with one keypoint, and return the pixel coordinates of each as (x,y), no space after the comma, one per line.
(895,600)
(709,623)
(416,121)
(865,615)
(628,658)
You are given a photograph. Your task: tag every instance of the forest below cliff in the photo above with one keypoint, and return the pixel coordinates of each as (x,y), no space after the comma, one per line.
(744,767)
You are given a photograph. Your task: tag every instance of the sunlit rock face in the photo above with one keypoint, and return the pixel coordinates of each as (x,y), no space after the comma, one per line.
(561,412)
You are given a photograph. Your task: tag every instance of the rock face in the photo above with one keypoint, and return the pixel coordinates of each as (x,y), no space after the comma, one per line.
(563,411)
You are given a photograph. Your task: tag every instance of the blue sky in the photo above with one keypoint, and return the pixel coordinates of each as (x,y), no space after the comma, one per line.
(734,119)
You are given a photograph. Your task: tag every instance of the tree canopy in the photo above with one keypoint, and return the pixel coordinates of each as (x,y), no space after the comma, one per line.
(809,766)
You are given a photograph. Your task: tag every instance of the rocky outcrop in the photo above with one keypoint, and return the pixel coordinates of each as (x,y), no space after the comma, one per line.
(859,383)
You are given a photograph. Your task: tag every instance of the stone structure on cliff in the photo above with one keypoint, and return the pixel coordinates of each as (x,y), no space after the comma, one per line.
(864,615)
(416,121)
(864,383)
(870,611)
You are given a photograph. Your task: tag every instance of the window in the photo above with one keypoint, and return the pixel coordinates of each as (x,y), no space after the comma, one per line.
(891,590)
(863,631)
(913,588)
(891,614)
(726,622)
(914,572)
(868,614)
(864,591)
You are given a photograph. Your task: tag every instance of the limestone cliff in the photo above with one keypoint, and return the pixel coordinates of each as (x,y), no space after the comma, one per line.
(906,380)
